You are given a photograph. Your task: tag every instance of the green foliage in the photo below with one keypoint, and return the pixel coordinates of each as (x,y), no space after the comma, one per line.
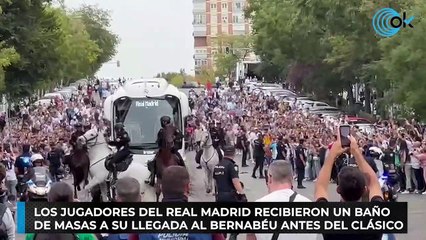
(176,78)
(225,64)
(41,45)
(206,75)
(168,76)
(237,46)
(97,22)
(404,61)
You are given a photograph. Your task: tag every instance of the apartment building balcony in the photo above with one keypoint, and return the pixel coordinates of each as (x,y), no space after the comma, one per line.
(200,30)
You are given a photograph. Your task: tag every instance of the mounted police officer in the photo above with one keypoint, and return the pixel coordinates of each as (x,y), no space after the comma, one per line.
(121,142)
(78,132)
(165,121)
(87,126)
(217,143)
(218,135)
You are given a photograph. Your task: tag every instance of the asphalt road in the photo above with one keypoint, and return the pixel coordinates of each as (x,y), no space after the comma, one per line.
(256,188)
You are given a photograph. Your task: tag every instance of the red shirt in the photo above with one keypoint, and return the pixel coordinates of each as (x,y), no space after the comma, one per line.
(209,86)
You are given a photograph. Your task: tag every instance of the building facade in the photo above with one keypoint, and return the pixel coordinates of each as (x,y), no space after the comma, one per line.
(213,18)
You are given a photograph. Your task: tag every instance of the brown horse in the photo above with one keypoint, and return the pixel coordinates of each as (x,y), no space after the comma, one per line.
(79,164)
(165,157)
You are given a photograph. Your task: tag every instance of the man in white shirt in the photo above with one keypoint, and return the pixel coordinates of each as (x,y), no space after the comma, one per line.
(280,184)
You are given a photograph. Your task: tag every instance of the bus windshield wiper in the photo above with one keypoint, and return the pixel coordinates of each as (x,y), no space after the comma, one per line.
(144,146)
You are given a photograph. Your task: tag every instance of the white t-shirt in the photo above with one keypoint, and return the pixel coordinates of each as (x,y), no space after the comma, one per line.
(284,196)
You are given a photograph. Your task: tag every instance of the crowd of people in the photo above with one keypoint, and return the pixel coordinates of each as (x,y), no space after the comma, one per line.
(281,140)
(264,129)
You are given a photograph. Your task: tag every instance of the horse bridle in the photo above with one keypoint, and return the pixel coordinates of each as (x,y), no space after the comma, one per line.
(205,146)
(91,139)
(204,142)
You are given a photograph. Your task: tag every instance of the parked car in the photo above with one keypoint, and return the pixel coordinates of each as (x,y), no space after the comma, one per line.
(358,120)
(319,104)
(43,102)
(66,93)
(53,96)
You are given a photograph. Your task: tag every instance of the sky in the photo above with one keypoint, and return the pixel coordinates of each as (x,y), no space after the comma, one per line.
(155,36)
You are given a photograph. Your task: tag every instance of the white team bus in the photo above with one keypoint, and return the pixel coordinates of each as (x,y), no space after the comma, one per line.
(139,105)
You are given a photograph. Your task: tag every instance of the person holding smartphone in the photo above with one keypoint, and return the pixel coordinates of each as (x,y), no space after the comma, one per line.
(353,182)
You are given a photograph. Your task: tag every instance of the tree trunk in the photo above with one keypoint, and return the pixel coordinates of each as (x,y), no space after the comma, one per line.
(367,95)
(351,99)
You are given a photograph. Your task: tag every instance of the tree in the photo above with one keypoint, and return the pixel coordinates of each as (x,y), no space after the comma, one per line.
(177,80)
(168,76)
(403,64)
(34,34)
(206,75)
(324,46)
(8,56)
(97,22)
(232,49)
(41,45)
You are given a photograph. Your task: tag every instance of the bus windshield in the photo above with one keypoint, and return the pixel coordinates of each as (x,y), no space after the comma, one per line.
(141,118)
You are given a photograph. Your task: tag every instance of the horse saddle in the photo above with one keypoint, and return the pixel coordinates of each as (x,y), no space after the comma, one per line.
(112,163)
(200,153)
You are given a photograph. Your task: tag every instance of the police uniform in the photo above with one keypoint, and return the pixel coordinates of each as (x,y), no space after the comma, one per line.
(389,165)
(223,174)
(217,140)
(79,132)
(166,120)
(221,136)
(122,145)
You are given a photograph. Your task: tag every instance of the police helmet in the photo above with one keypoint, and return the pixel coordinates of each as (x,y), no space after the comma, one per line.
(165,120)
(119,126)
(37,157)
(375,152)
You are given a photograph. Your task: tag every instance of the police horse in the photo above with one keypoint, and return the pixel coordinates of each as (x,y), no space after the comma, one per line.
(99,152)
(209,159)
(165,156)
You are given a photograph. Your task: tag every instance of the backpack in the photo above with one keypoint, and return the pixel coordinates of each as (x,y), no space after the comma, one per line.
(3,228)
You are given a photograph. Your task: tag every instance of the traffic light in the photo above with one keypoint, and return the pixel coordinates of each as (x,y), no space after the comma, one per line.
(118,63)
(227,50)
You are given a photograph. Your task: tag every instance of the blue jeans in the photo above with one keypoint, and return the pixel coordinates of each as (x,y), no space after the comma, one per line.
(316,166)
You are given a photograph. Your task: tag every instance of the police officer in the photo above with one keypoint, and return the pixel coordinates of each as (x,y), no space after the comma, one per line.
(22,165)
(122,144)
(55,157)
(259,156)
(221,134)
(228,185)
(217,139)
(226,175)
(78,132)
(165,121)
(87,126)
(389,163)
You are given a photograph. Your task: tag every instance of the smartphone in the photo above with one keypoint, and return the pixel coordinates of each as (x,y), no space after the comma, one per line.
(345,131)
